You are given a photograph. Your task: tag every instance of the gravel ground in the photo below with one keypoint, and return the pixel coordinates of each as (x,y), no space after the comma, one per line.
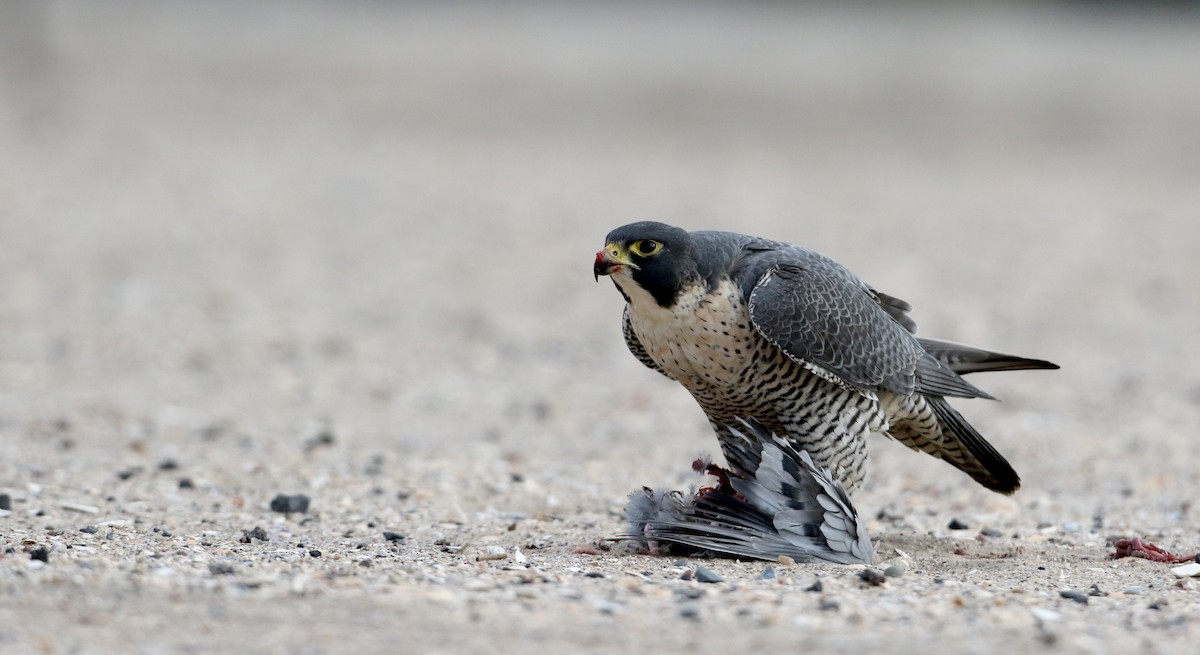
(343,250)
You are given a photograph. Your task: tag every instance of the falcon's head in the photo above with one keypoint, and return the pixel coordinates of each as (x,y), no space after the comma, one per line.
(653,257)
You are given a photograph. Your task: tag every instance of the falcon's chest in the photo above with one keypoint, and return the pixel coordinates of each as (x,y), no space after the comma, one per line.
(704,339)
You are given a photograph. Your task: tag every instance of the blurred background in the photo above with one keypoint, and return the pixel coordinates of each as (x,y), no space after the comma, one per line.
(380,218)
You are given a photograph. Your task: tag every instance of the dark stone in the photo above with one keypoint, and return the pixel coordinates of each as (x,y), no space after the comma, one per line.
(129,472)
(816,587)
(991,532)
(286,504)
(1096,591)
(705,575)
(392,536)
(41,553)
(5,502)
(1077,596)
(186,483)
(168,465)
(90,529)
(248,536)
(956,524)
(323,438)
(314,553)
(872,577)
(220,568)
(689,593)
(594,574)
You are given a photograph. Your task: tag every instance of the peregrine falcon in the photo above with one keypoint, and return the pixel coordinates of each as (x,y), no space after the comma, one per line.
(785,336)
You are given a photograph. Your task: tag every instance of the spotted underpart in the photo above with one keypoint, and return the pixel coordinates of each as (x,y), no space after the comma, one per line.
(778,333)
(705,341)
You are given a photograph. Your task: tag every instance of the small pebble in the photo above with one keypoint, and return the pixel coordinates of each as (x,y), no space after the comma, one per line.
(1077,596)
(705,575)
(956,524)
(690,612)
(689,593)
(293,504)
(768,574)
(594,574)
(606,606)
(168,465)
(1134,591)
(248,536)
(1187,570)
(1096,591)
(784,560)
(896,570)
(815,587)
(393,536)
(493,553)
(323,438)
(872,577)
(89,529)
(1045,615)
(314,553)
(186,483)
(129,472)
(519,557)
(5,502)
(42,554)
(828,605)
(990,532)
(220,568)
(79,507)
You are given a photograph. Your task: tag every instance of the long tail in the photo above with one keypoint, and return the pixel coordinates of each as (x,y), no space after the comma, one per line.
(968,451)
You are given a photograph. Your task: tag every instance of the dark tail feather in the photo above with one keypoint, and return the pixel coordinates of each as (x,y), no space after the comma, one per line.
(966,359)
(976,457)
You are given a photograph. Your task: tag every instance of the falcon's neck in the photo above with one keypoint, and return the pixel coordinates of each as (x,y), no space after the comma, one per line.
(679,299)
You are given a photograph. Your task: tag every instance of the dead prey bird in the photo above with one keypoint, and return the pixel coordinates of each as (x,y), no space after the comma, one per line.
(772,501)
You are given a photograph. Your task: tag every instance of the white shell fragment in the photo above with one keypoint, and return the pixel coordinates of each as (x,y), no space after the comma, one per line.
(1187,570)
(493,553)
(79,507)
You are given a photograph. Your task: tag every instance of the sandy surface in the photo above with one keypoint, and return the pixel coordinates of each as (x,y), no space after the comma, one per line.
(345,252)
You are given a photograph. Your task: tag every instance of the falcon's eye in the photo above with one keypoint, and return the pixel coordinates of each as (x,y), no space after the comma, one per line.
(646,247)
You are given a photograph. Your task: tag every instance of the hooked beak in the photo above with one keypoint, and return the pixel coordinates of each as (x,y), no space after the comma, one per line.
(610,260)
(603,265)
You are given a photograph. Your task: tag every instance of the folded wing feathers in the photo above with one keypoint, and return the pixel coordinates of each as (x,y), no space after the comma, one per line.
(785,506)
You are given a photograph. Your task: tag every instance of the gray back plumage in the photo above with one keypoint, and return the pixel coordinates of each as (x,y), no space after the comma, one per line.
(819,313)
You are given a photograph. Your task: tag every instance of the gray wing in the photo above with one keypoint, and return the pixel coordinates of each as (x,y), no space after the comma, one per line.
(822,319)
(799,496)
(828,319)
(635,346)
(780,504)
(968,359)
